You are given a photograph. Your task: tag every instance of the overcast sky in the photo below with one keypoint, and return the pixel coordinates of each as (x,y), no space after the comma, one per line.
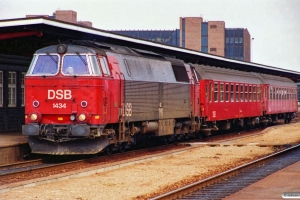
(274,24)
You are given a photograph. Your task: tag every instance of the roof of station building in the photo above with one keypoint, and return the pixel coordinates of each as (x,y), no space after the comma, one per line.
(25,35)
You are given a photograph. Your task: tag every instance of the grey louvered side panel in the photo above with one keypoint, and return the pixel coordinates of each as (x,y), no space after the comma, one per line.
(176,100)
(145,98)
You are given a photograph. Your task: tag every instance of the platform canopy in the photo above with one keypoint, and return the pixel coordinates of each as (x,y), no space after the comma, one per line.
(24,36)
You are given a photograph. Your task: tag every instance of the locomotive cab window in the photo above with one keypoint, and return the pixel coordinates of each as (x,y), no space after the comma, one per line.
(75,65)
(104,66)
(95,66)
(44,65)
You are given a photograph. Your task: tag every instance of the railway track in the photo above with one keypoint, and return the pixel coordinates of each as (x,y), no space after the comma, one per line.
(231,181)
(29,170)
(51,166)
(26,172)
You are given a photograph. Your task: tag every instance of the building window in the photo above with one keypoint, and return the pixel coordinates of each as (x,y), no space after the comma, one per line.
(204,37)
(1,88)
(23,89)
(213,26)
(213,49)
(12,89)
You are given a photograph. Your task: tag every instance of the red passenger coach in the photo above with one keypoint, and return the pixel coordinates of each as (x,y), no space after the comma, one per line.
(234,98)
(279,97)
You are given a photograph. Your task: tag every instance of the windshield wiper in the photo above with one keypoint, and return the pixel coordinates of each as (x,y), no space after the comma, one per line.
(52,58)
(81,58)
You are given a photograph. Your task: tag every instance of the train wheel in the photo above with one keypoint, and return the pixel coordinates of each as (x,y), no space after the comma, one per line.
(198,135)
(166,140)
(122,147)
(109,150)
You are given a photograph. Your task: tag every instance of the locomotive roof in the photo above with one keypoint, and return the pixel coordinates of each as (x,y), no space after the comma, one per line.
(70,49)
(85,46)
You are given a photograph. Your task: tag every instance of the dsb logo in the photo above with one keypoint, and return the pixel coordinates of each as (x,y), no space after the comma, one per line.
(59,94)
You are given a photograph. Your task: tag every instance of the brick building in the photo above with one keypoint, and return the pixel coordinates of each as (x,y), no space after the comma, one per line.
(208,37)
(65,15)
(194,33)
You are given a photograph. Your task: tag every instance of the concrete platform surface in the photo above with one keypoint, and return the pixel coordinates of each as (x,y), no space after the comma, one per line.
(13,138)
(282,184)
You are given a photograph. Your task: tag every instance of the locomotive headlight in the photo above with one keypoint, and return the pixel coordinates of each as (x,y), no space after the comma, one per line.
(82,117)
(33,117)
(62,48)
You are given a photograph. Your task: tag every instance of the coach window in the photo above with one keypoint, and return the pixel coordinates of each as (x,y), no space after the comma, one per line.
(250,93)
(104,66)
(216,92)
(258,93)
(1,88)
(254,93)
(237,92)
(242,92)
(221,92)
(232,92)
(11,89)
(246,93)
(210,92)
(227,92)
(271,93)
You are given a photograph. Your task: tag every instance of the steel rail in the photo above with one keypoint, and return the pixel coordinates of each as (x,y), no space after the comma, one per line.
(20,164)
(180,192)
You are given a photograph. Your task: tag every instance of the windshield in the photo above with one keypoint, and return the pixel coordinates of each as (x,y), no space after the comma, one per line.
(45,65)
(75,65)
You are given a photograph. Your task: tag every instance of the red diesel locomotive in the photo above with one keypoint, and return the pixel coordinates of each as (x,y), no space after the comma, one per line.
(83,97)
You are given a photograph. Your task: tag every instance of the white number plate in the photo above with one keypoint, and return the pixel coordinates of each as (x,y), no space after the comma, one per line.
(59,105)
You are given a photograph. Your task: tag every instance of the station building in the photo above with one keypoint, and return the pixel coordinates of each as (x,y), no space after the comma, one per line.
(208,37)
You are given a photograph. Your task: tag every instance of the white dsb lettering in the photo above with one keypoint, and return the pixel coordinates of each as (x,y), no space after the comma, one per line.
(59,94)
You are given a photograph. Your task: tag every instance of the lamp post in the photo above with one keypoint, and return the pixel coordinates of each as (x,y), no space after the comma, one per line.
(251,51)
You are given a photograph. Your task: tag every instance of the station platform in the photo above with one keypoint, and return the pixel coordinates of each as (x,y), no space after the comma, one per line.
(282,184)
(13,146)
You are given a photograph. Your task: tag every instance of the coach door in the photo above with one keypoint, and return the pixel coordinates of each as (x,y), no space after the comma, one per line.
(207,98)
(209,92)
